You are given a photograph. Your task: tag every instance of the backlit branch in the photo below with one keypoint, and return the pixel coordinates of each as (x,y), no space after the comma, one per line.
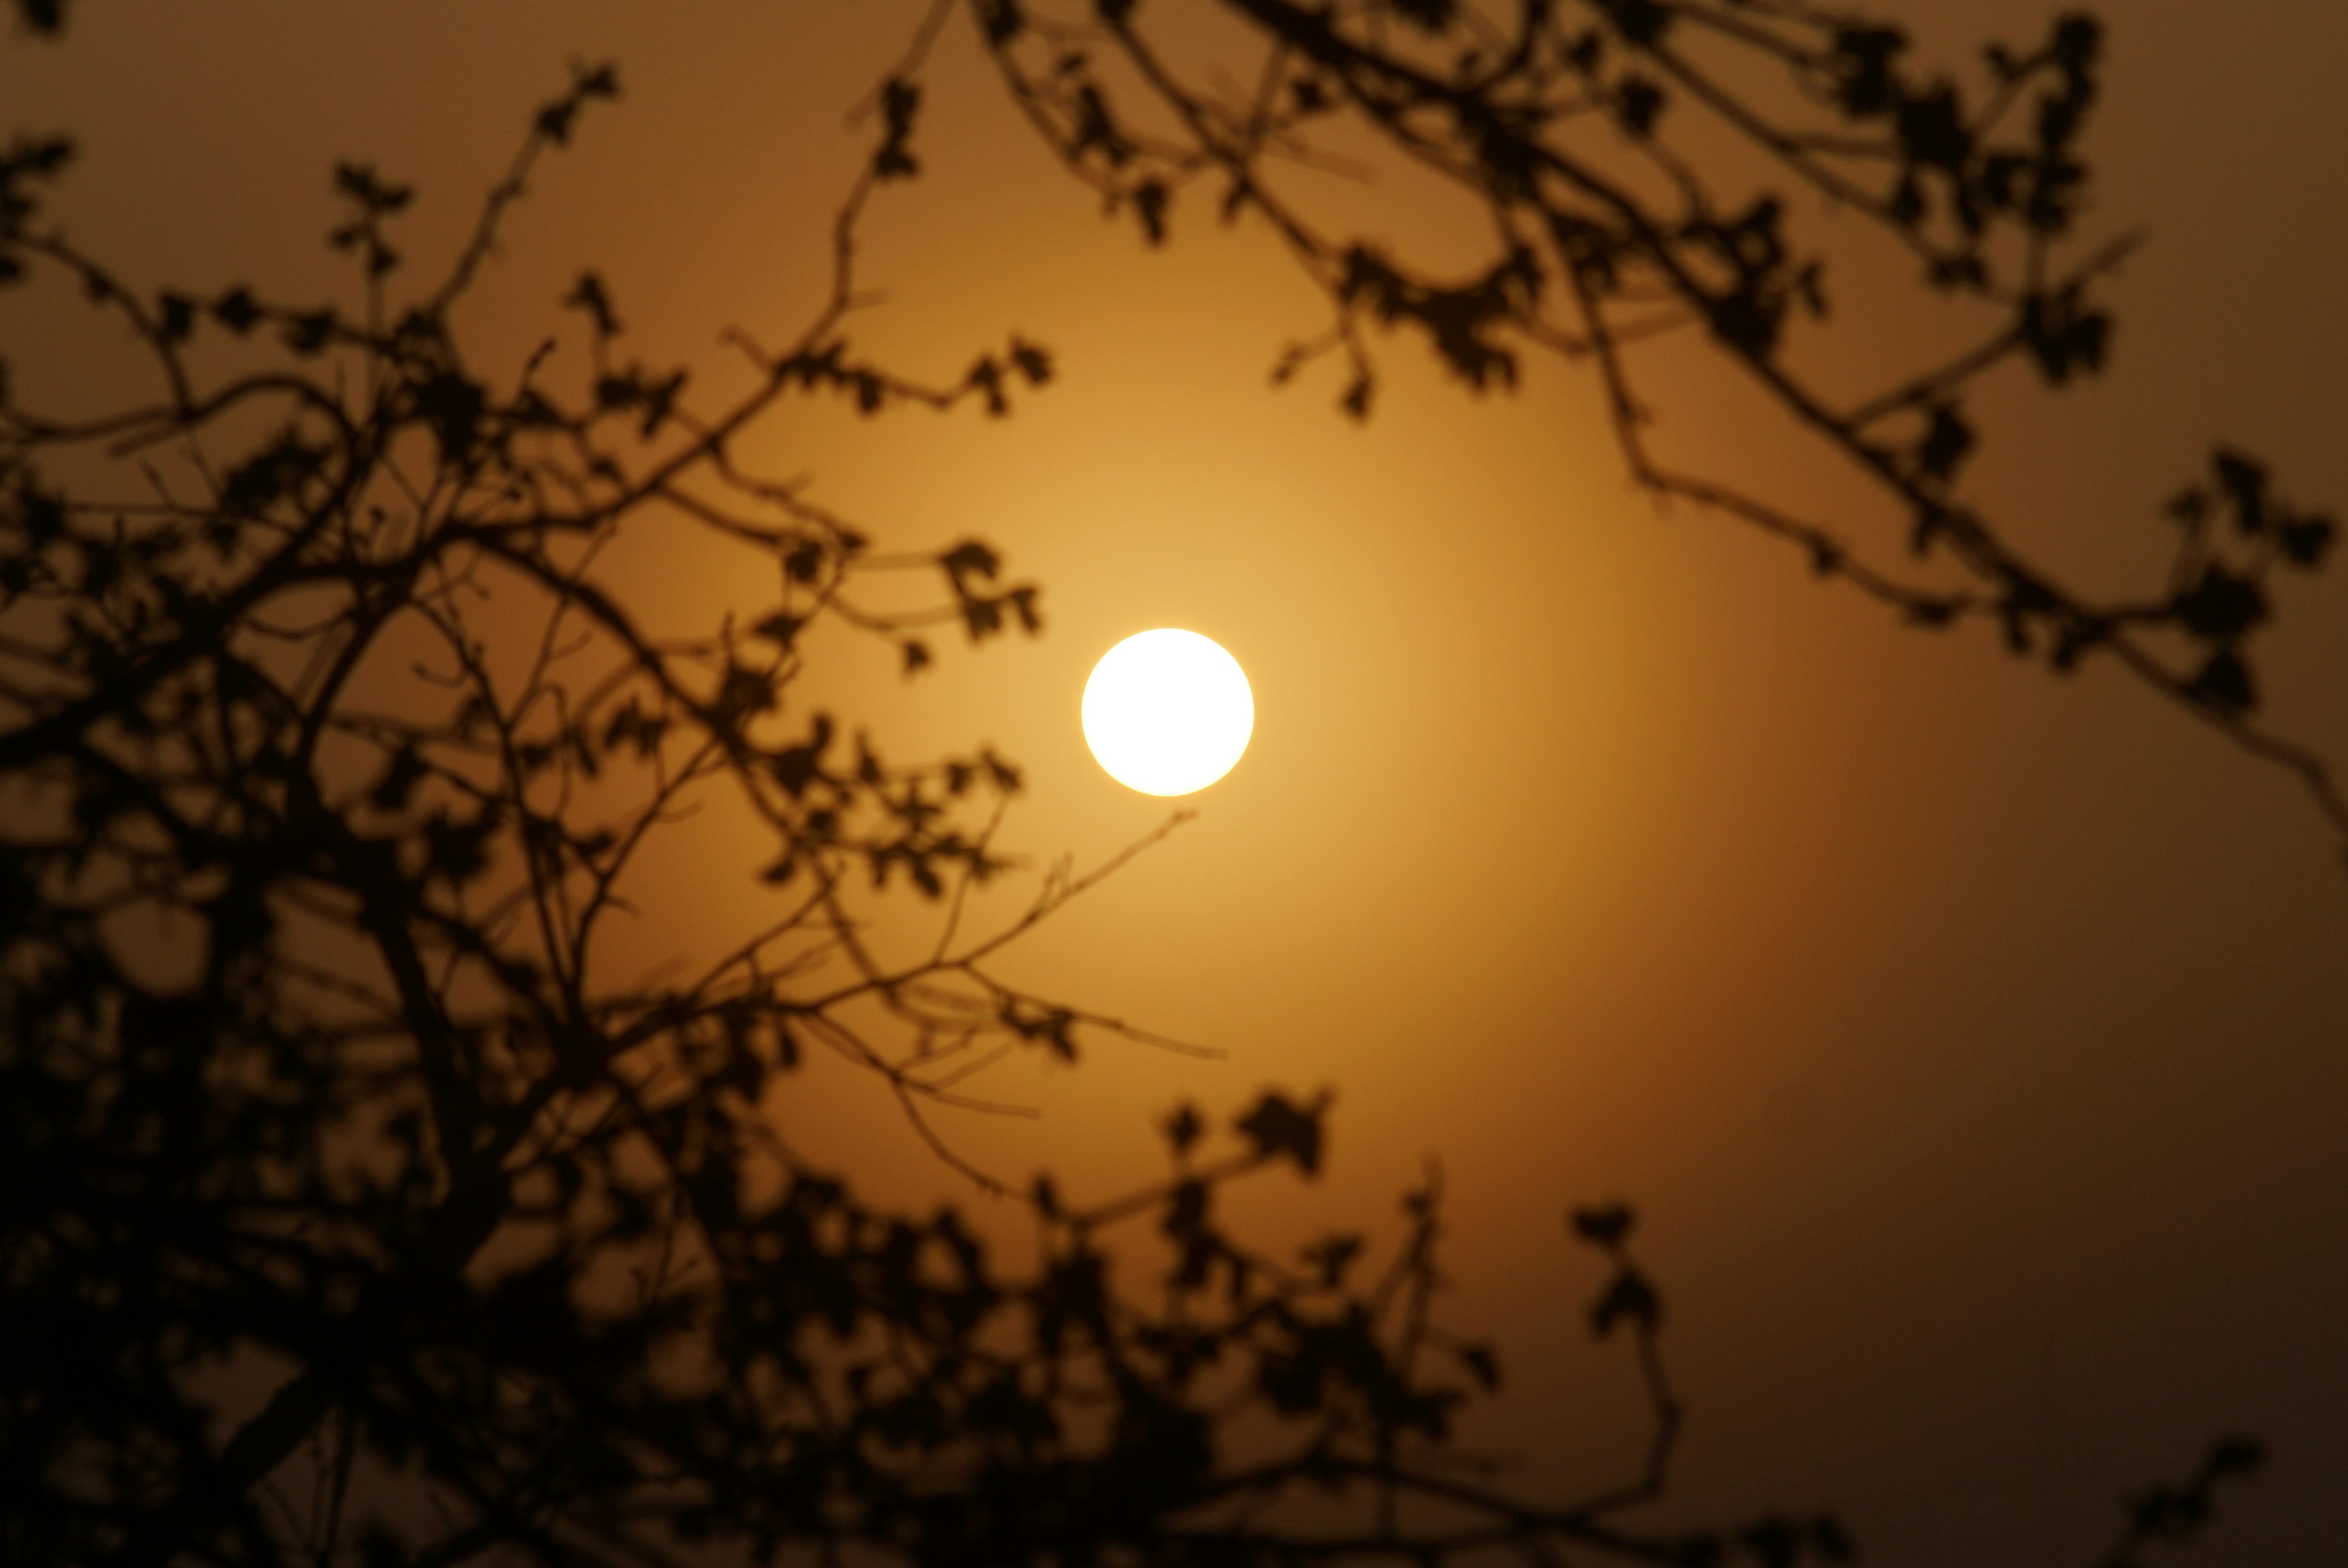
(1590,135)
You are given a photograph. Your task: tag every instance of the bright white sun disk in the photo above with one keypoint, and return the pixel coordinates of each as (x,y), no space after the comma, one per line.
(1168,711)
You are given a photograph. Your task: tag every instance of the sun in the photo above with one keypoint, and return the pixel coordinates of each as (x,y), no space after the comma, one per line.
(1168,711)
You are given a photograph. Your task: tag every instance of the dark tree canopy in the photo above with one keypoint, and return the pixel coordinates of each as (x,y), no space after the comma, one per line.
(358,1211)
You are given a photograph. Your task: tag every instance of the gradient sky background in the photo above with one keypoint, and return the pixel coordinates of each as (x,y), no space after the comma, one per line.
(1971,1041)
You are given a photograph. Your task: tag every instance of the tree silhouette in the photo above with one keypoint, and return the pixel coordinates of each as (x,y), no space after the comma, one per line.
(358,1210)
(1650,169)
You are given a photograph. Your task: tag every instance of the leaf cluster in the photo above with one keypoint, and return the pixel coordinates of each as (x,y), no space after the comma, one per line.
(371,1211)
(362,1208)
(1650,170)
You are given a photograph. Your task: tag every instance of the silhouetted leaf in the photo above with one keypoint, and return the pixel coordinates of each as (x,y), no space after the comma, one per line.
(1638,103)
(309,332)
(1002,20)
(2222,605)
(900,103)
(1945,444)
(1427,15)
(2236,1456)
(589,294)
(1033,363)
(1864,57)
(1640,21)
(1607,1224)
(2224,683)
(458,851)
(2243,480)
(2064,335)
(781,626)
(237,311)
(1629,1297)
(798,767)
(1931,130)
(1184,1127)
(1149,200)
(2305,541)
(1331,1257)
(176,316)
(1933,613)
(44,17)
(969,559)
(452,404)
(379,1548)
(400,777)
(1774,1542)
(1278,1126)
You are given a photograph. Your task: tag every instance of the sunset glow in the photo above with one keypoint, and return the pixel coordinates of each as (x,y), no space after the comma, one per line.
(568,983)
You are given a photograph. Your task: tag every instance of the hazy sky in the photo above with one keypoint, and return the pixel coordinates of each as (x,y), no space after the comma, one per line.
(1972,1042)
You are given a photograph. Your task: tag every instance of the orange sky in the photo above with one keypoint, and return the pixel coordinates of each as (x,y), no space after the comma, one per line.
(1971,1040)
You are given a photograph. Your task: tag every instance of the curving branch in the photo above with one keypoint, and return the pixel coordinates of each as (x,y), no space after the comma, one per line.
(360,1210)
(1650,168)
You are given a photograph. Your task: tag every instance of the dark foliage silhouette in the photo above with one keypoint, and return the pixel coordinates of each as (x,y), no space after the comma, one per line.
(358,1209)
(502,1239)
(1650,170)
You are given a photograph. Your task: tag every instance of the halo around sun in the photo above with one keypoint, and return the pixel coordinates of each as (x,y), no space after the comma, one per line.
(1168,711)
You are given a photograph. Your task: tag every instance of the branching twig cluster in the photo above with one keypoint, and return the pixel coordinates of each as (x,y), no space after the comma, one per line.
(1643,168)
(332,745)
(355,1210)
